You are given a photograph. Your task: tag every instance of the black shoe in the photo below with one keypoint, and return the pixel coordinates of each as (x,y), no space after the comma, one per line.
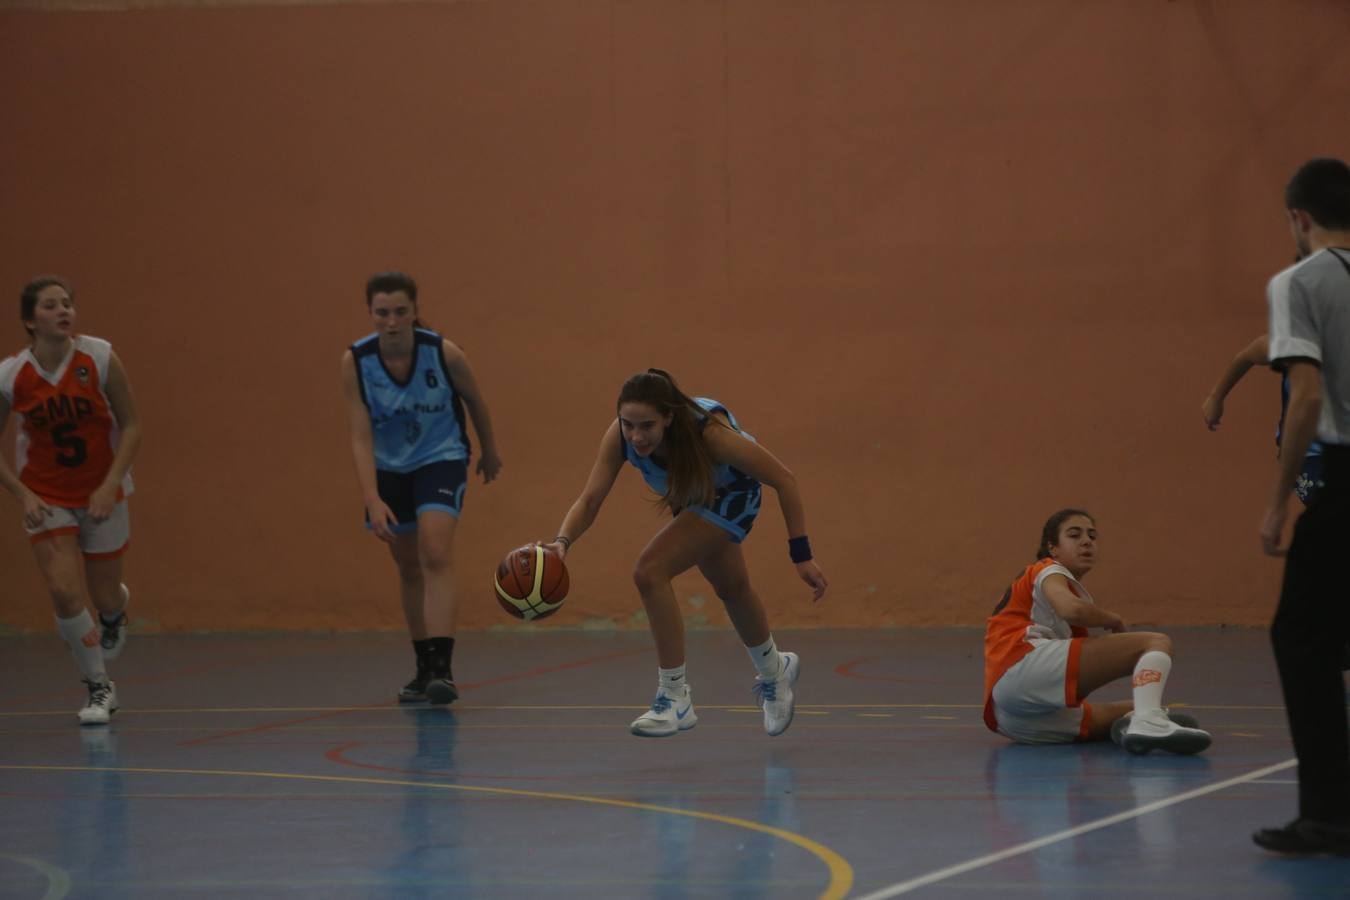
(414,691)
(1119,725)
(113,636)
(1305,837)
(442,691)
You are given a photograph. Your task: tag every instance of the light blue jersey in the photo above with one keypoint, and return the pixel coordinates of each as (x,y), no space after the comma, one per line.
(417,422)
(737,495)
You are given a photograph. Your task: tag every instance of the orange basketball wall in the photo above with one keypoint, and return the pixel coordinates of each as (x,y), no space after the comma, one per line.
(957,263)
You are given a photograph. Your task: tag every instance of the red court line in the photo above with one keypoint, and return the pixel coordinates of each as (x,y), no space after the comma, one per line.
(846,669)
(336,755)
(463,686)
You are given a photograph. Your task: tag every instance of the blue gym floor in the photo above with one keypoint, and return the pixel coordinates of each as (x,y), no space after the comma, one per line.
(280,766)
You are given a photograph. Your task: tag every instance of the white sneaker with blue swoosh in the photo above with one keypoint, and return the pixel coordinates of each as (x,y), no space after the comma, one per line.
(775,695)
(670,713)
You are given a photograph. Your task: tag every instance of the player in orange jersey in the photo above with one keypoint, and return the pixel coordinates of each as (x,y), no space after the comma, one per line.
(1040,664)
(77,434)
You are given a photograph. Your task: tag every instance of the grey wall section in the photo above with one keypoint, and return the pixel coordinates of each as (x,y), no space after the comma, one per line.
(958,264)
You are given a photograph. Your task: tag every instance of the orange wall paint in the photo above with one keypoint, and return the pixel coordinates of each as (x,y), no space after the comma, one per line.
(958,264)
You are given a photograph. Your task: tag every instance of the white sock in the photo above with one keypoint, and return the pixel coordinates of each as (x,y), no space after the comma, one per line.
(766,658)
(79,632)
(671,679)
(1150,677)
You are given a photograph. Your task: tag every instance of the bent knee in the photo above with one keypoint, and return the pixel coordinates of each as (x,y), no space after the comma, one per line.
(67,600)
(1154,641)
(648,576)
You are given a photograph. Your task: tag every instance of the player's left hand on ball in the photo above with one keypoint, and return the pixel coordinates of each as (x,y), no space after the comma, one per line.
(811,574)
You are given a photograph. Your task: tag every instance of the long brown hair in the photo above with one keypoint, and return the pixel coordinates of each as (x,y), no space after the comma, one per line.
(689,465)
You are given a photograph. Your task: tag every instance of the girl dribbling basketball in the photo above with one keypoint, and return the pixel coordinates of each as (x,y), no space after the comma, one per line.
(708,472)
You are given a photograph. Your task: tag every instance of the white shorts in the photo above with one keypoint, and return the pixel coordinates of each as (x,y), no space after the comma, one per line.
(1036,701)
(98,540)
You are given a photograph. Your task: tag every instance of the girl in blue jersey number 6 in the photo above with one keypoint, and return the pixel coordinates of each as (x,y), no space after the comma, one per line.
(708,472)
(406,389)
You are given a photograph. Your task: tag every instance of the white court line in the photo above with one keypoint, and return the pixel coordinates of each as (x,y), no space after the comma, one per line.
(904,887)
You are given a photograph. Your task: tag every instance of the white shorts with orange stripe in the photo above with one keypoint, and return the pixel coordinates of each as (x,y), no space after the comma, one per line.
(98,540)
(1036,701)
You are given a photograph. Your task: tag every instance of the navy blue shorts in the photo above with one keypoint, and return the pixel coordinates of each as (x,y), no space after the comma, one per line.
(435,486)
(733,510)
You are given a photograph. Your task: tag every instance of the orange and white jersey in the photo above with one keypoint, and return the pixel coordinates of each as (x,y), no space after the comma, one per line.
(67,430)
(1022,621)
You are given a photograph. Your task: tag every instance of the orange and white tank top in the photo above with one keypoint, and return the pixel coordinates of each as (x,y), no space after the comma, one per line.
(1022,621)
(67,433)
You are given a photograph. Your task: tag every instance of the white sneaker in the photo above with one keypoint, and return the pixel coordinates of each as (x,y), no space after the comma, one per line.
(113,637)
(775,695)
(102,703)
(1119,725)
(1155,731)
(671,713)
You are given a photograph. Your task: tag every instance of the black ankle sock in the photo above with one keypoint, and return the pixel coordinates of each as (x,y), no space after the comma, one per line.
(440,652)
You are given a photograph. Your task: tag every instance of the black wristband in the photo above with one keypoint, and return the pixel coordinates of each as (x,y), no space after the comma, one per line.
(799,549)
(564,540)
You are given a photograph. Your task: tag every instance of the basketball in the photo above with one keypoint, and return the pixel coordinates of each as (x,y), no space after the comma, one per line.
(531,582)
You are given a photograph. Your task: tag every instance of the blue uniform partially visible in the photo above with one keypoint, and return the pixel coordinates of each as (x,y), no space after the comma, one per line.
(1310,478)
(421,445)
(737,496)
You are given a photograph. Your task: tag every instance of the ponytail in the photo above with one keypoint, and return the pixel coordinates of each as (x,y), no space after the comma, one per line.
(689,465)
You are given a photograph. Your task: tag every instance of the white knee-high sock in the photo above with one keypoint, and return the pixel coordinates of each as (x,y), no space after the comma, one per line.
(1150,677)
(79,632)
(766,658)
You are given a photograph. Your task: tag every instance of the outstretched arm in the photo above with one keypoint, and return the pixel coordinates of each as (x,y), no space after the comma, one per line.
(1254,354)
(754,459)
(585,508)
(466,386)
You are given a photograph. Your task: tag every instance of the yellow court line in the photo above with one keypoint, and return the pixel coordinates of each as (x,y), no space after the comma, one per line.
(58,879)
(841,873)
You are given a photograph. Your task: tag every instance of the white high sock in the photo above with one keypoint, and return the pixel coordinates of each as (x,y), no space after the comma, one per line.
(671,679)
(1150,677)
(768,662)
(79,632)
